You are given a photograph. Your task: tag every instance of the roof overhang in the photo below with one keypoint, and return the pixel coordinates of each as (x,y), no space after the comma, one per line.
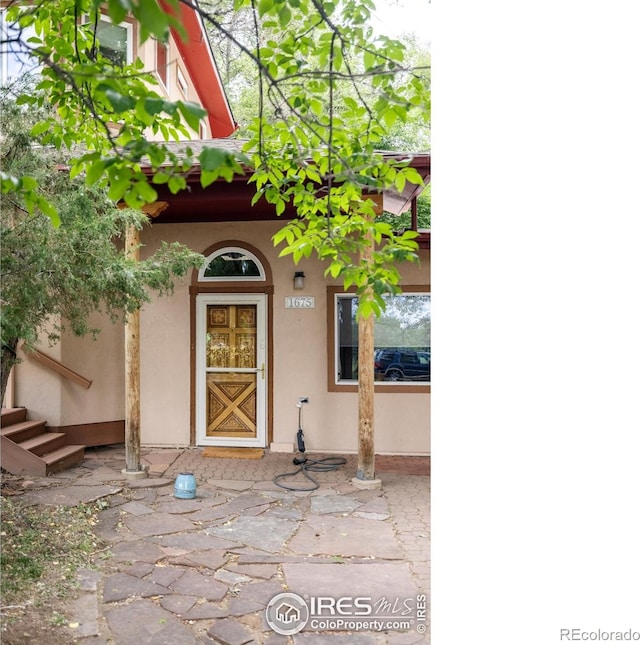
(224,201)
(398,203)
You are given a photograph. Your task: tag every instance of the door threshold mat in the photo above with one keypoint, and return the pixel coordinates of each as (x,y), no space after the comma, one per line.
(233,453)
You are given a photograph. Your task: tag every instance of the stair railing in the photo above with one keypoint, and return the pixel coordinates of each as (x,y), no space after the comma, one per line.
(56,366)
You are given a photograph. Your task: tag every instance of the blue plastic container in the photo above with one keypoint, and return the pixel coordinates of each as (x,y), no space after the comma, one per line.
(185,487)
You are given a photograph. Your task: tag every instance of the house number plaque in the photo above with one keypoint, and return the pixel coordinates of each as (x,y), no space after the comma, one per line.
(299,302)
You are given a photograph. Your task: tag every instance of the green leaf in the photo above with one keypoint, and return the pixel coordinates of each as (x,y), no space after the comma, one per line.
(153,20)
(118,185)
(212,158)
(132,199)
(390,117)
(279,236)
(207,177)
(142,114)
(119,102)
(154,105)
(286,251)
(50,211)
(192,114)
(9,183)
(264,6)
(227,173)
(161,178)
(176,184)
(39,128)
(413,176)
(365,308)
(146,192)
(284,16)
(94,172)
(369,59)
(117,11)
(410,235)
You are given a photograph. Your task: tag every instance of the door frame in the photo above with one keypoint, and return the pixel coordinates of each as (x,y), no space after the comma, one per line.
(202,302)
(197,288)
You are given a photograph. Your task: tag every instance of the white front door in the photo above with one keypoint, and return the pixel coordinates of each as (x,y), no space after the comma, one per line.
(231,370)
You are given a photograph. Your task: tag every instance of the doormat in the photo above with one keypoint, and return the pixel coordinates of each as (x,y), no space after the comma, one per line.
(233,453)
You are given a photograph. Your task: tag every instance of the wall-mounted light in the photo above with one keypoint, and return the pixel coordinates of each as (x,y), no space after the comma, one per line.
(298,280)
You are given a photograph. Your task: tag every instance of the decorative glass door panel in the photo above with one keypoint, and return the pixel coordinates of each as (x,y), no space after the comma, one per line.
(231,370)
(231,396)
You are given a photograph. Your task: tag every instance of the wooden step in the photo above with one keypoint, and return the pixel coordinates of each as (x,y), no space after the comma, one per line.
(23,430)
(44,443)
(63,458)
(10,416)
(27,447)
(19,461)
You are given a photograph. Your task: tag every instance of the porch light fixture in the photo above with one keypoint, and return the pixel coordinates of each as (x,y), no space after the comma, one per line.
(298,280)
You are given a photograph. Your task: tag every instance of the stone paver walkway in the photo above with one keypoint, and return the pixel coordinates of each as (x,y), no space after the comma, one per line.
(204,570)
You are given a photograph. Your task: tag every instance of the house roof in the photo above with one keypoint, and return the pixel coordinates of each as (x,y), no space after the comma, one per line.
(224,201)
(198,57)
(399,202)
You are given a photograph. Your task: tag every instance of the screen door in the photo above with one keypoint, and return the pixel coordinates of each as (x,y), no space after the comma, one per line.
(231,373)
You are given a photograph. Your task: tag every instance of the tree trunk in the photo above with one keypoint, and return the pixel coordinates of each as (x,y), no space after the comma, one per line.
(132,369)
(8,361)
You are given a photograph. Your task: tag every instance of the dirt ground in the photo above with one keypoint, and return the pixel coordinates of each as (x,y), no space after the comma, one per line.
(32,620)
(33,625)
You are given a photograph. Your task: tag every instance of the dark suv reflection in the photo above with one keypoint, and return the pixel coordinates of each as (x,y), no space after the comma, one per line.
(402,365)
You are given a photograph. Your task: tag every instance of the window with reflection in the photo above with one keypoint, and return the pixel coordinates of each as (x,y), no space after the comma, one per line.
(115,41)
(402,338)
(16,60)
(232,263)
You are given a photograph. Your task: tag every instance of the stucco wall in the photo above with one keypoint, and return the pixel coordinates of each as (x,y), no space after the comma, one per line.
(102,361)
(36,387)
(165,369)
(61,402)
(147,53)
(299,362)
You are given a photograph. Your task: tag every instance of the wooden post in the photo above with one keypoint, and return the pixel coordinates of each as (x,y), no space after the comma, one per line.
(132,369)
(366,453)
(366,445)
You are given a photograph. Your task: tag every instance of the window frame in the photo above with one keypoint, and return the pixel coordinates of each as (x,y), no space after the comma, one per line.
(232,278)
(161,50)
(181,82)
(333,385)
(129,28)
(7,53)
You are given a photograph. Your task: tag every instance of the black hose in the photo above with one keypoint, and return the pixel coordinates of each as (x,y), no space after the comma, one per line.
(314,465)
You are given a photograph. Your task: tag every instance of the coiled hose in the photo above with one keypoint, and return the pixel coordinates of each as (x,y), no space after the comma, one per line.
(310,465)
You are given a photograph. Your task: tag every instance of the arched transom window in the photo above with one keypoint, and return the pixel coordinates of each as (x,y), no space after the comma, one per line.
(232,263)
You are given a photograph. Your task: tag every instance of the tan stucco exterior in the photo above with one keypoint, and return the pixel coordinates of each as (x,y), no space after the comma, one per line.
(299,362)
(171,89)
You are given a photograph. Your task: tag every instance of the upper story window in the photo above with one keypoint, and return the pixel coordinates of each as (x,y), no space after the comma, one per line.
(116,41)
(162,60)
(16,61)
(182,81)
(232,264)
(402,336)
(15,58)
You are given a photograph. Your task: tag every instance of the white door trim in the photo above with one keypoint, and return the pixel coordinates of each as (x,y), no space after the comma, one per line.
(260,300)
